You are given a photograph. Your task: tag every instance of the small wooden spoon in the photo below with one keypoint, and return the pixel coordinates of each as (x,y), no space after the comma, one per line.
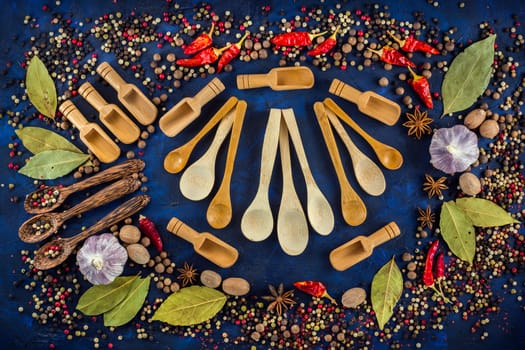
(318,208)
(219,212)
(66,246)
(352,206)
(390,157)
(361,247)
(55,220)
(207,245)
(367,173)
(177,159)
(257,221)
(115,172)
(282,78)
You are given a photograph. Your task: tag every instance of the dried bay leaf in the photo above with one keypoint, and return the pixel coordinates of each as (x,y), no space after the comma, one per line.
(104,297)
(37,140)
(468,76)
(130,305)
(191,305)
(48,165)
(386,290)
(41,88)
(458,231)
(484,213)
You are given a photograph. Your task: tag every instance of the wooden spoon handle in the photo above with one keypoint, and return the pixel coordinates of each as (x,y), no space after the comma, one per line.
(234,141)
(344,90)
(269,147)
(347,141)
(349,121)
(111,76)
(88,92)
(209,91)
(286,162)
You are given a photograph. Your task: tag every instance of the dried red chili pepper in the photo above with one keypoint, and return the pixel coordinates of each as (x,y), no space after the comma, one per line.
(440,267)
(411,44)
(203,41)
(421,86)
(294,39)
(206,56)
(428,274)
(317,289)
(147,227)
(324,47)
(230,53)
(390,55)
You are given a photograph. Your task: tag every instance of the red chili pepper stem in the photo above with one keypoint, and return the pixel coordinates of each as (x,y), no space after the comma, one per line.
(329,297)
(241,40)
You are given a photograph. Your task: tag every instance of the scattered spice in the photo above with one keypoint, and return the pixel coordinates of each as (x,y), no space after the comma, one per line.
(188,274)
(418,123)
(426,217)
(434,187)
(279,299)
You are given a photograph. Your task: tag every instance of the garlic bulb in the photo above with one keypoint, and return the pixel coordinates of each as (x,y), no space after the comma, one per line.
(453,149)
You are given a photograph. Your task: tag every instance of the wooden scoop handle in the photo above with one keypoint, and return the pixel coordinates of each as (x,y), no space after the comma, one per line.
(209,91)
(384,234)
(88,92)
(179,228)
(73,114)
(111,76)
(344,90)
(252,81)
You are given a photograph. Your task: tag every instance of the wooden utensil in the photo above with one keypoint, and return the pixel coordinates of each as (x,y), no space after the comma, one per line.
(352,206)
(257,221)
(282,78)
(115,172)
(361,247)
(129,95)
(205,244)
(65,246)
(27,233)
(318,208)
(96,139)
(292,228)
(177,159)
(189,108)
(367,173)
(368,102)
(111,115)
(390,157)
(219,212)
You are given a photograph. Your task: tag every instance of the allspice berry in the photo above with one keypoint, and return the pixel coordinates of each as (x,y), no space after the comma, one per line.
(474,118)
(469,184)
(489,129)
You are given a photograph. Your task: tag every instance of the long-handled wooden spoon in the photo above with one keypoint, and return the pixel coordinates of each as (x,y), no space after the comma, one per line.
(281,78)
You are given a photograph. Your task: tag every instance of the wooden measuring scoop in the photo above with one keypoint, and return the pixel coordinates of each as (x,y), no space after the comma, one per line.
(207,245)
(361,247)
(129,95)
(96,139)
(111,115)
(189,108)
(368,102)
(282,78)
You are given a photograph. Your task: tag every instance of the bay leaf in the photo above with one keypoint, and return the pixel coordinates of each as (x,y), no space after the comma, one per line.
(104,297)
(386,290)
(37,140)
(190,306)
(484,213)
(48,165)
(130,305)
(41,88)
(468,76)
(457,230)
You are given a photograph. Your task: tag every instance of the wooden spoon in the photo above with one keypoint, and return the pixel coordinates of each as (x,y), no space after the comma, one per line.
(352,206)
(197,181)
(189,108)
(292,228)
(318,208)
(257,221)
(390,157)
(207,245)
(66,246)
(282,78)
(368,102)
(219,212)
(177,159)
(361,247)
(55,220)
(367,173)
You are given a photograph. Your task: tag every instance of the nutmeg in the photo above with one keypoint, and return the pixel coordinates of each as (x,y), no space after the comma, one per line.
(474,118)
(469,184)
(489,129)
(138,253)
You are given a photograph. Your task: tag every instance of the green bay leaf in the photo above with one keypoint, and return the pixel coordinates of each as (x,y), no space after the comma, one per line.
(48,165)
(457,230)
(386,290)
(468,76)
(37,140)
(190,306)
(484,213)
(104,297)
(128,308)
(41,88)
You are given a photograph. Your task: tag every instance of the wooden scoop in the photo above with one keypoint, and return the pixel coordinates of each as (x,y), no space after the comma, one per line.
(209,246)
(282,78)
(368,102)
(129,95)
(189,108)
(96,139)
(177,159)
(111,115)
(352,206)
(66,246)
(55,220)
(361,247)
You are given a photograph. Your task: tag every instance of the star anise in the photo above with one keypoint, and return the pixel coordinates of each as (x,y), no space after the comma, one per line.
(187,275)
(280,300)
(427,217)
(418,123)
(434,187)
